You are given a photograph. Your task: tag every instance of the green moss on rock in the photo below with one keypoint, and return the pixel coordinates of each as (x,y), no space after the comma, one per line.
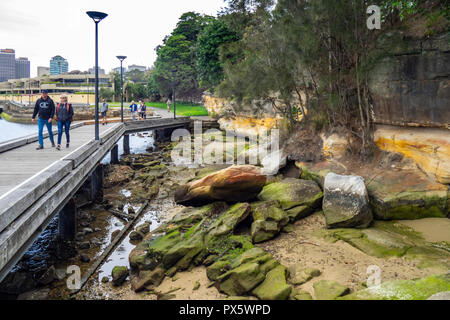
(420,289)
(274,286)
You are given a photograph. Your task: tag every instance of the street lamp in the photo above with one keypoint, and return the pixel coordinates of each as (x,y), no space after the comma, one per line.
(121,58)
(173,94)
(97,17)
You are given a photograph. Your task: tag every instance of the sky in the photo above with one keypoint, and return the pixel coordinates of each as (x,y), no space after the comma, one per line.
(42,29)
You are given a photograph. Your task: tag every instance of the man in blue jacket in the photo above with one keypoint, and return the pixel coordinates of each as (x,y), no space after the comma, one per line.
(45,107)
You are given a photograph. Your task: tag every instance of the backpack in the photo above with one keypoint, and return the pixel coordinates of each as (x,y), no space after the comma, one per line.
(57,108)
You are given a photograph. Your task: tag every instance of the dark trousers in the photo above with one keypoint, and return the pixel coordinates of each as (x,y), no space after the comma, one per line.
(66,125)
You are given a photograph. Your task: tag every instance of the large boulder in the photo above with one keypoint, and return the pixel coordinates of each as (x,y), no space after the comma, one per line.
(233,184)
(292,193)
(346,202)
(407,195)
(268,220)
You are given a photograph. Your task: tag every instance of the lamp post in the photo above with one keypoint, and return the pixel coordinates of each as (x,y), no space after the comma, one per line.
(97,17)
(173,94)
(121,58)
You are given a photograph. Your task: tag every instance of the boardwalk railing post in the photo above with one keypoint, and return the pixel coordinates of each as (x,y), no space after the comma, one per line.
(67,226)
(115,155)
(126,144)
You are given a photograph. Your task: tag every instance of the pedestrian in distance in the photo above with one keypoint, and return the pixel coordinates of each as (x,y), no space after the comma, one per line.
(45,108)
(168,104)
(133,110)
(142,110)
(104,111)
(64,116)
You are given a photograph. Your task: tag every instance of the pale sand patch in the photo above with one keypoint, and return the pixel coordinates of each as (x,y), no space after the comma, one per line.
(337,261)
(432,229)
(186,281)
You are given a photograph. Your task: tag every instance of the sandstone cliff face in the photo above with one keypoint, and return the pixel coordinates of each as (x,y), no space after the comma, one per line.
(428,147)
(411,86)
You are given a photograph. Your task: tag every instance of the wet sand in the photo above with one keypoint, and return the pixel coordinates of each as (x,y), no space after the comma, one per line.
(432,229)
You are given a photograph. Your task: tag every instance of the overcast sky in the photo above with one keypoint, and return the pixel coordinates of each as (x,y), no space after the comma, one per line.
(42,29)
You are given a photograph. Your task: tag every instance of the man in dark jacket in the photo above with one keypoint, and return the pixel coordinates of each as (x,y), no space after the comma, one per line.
(64,115)
(45,107)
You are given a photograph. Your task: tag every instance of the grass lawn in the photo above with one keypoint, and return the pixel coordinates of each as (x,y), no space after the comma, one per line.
(183,109)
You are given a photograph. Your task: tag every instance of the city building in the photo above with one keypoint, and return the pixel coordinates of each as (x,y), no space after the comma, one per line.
(22,68)
(118,70)
(42,71)
(64,83)
(58,65)
(136,67)
(100,70)
(7,64)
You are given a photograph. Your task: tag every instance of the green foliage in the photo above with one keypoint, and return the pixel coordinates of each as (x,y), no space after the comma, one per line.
(209,44)
(176,62)
(106,93)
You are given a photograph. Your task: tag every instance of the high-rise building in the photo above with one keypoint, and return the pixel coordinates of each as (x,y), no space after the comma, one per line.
(58,65)
(7,64)
(22,68)
(41,71)
(100,70)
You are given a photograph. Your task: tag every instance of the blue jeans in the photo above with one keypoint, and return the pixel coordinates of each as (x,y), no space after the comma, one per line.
(66,125)
(41,123)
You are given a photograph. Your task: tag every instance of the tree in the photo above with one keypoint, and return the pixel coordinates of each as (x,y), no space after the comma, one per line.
(209,44)
(106,93)
(178,54)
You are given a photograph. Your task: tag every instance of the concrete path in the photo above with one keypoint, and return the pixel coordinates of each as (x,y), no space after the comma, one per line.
(17,165)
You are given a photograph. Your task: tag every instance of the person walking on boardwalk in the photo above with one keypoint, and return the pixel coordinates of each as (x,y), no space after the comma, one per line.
(142,110)
(104,110)
(64,116)
(45,108)
(133,109)
(168,104)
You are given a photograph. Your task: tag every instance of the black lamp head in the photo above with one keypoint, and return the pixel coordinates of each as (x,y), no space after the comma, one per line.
(96,16)
(121,58)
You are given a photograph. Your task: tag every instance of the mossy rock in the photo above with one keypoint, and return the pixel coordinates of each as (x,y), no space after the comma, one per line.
(419,289)
(119,275)
(217,268)
(256,255)
(408,203)
(240,280)
(292,192)
(184,250)
(229,220)
(299,275)
(299,212)
(298,294)
(268,220)
(329,290)
(274,286)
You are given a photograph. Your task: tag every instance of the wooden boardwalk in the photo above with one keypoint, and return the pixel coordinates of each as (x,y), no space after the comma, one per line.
(19,164)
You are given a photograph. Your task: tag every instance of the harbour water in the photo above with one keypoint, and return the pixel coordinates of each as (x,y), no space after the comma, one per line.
(12,130)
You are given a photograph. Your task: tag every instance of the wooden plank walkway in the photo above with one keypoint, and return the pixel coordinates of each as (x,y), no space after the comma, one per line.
(17,165)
